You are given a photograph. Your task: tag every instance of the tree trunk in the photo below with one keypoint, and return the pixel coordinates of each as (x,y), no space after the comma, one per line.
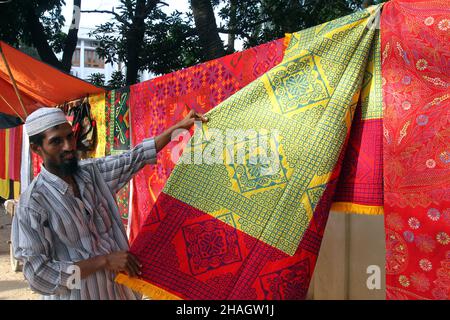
(135,38)
(205,24)
(72,37)
(232,26)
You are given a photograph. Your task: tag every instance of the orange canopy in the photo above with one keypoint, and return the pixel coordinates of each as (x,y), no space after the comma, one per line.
(38,84)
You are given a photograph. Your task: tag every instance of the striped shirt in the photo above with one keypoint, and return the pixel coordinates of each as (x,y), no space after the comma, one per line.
(52,229)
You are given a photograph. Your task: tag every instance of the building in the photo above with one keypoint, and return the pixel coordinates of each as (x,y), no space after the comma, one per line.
(86,61)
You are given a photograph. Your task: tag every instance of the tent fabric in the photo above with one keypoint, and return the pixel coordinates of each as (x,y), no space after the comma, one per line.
(416,90)
(227,231)
(38,83)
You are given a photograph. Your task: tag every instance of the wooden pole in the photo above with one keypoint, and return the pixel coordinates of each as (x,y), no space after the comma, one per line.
(14,110)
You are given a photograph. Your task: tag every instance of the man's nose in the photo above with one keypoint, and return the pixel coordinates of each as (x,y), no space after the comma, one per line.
(69,145)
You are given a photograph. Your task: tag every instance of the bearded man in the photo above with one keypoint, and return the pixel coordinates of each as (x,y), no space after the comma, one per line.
(67,221)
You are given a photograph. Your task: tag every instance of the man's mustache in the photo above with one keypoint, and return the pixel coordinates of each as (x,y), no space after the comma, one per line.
(65,154)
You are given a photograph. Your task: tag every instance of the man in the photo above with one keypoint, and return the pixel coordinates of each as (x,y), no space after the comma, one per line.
(68,220)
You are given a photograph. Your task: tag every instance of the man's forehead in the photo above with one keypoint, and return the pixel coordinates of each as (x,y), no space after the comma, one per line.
(58,130)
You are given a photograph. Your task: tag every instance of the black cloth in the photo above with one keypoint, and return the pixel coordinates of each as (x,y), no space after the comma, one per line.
(8,121)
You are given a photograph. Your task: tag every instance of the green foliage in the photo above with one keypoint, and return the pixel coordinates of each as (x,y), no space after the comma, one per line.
(117,80)
(170,42)
(259,21)
(97,79)
(13,21)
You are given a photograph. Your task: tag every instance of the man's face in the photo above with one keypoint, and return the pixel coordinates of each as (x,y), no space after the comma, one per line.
(58,150)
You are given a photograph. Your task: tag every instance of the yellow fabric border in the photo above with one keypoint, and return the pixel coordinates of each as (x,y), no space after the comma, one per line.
(16,190)
(145,288)
(349,207)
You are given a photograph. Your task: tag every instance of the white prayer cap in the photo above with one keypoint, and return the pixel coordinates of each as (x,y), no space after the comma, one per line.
(43,119)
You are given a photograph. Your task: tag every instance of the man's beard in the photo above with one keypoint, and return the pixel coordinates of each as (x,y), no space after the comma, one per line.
(65,167)
(69,167)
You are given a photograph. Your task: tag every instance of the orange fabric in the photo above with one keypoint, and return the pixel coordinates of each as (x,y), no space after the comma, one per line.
(39,84)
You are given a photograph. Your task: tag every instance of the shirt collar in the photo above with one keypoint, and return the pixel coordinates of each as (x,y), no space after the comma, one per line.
(56,181)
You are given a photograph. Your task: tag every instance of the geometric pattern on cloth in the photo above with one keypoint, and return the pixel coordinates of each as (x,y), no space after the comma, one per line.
(117,123)
(190,255)
(161,102)
(305,109)
(416,90)
(360,186)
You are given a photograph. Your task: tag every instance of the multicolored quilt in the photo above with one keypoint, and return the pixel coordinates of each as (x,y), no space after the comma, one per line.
(158,104)
(161,102)
(251,229)
(416,88)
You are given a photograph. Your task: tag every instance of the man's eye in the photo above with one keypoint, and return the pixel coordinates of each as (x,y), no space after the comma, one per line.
(55,141)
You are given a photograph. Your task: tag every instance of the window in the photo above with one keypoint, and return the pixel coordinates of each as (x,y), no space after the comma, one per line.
(76,58)
(92,60)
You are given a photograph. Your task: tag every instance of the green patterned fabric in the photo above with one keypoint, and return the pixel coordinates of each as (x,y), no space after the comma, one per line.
(288,127)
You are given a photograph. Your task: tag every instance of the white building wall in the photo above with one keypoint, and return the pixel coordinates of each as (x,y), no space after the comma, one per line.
(84,72)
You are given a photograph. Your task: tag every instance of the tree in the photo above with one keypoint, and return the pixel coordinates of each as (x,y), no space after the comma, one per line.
(145,38)
(97,79)
(117,80)
(205,25)
(259,21)
(38,23)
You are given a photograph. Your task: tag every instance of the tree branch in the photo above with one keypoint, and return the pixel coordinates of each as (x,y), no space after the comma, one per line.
(250,25)
(118,17)
(149,6)
(235,31)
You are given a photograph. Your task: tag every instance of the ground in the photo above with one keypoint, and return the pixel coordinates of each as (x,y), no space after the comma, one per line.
(12,284)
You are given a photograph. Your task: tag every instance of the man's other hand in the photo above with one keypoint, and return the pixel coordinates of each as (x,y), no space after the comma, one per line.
(123,261)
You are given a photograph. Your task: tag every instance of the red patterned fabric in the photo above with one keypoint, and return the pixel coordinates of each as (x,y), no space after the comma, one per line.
(361,179)
(158,104)
(415,66)
(248,268)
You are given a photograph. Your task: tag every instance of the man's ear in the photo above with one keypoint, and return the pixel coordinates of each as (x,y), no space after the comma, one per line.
(36,149)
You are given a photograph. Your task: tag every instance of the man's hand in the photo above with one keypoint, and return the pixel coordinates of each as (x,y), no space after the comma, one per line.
(123,261)
(189,120)
(120,261)
(164,138)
